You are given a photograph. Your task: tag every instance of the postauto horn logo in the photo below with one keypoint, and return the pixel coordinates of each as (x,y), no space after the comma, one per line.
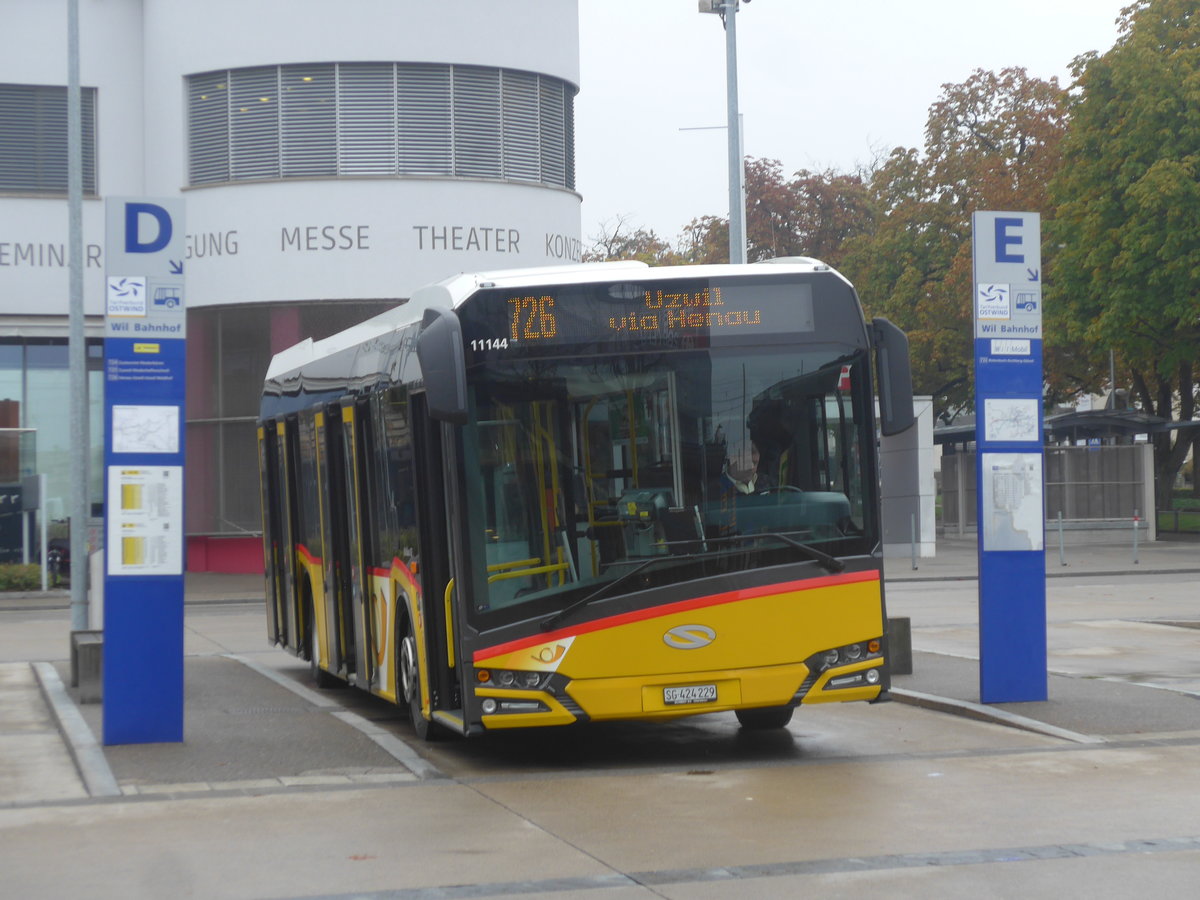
(689,637)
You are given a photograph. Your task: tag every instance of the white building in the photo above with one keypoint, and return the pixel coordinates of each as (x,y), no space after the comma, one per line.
(333,157)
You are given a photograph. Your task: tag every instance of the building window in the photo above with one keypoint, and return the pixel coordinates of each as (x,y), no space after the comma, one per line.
(379,119)
(33,139)
(35,431)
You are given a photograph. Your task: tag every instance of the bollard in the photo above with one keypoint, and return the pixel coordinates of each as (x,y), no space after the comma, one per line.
(899,634)
(87,665)
(1135,537)
(1062,556)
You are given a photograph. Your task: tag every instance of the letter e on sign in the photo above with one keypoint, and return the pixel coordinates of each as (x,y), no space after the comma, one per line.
(1004,240)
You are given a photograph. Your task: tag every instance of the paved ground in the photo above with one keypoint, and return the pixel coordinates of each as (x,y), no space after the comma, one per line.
(49,750)
(251,729)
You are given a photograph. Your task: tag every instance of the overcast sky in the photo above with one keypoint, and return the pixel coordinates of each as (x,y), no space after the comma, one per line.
(822,84)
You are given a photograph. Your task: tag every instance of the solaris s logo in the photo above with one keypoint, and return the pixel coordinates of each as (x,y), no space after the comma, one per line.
(689,637)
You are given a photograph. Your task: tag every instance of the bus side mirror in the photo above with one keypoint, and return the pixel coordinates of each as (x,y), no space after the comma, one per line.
(440,352)
(895,377)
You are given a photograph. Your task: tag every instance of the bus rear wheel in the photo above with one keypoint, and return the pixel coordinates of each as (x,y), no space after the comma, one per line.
(764,717)
(320,677)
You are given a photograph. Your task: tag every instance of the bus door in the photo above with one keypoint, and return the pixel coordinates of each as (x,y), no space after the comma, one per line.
(331,470)
(291,629)
(438,523)
(354,503)
(269,473)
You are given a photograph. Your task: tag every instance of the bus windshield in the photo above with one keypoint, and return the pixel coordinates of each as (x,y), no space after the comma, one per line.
(677,464)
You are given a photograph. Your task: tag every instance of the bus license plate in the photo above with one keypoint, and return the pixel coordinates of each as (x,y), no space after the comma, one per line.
(693,693)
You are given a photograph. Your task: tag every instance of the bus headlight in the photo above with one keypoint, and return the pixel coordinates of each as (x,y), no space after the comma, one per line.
(509,678)
(845,655)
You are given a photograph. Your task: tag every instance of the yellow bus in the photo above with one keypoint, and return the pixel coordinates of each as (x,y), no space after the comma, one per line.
(587,493)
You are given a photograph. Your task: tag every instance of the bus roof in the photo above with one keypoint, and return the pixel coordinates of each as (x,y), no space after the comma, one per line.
(453,291)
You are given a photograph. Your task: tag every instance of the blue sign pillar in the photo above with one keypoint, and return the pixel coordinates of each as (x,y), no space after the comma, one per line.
(145,328)
(1009,456)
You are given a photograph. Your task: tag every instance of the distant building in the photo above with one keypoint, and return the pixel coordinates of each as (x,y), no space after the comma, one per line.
(333,157)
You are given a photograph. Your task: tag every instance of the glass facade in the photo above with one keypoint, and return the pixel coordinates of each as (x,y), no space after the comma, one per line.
(229,349)
(35,427)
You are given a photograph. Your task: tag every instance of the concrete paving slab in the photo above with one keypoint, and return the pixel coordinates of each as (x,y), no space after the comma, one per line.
(904,807)
(423,835)
(35,766)
(32,637)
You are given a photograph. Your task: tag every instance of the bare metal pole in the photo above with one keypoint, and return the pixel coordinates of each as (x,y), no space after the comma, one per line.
(737,175)
(80,432)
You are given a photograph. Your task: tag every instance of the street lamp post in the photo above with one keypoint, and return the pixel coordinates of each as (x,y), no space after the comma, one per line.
(76,339)
(727,9)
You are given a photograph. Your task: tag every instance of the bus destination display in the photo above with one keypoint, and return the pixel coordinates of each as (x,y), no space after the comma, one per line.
(633,313)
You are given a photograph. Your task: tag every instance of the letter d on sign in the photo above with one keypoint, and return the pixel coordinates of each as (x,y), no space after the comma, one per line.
(133,217)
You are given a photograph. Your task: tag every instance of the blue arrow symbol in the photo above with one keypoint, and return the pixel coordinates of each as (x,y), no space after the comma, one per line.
(1033,274)
(177,267)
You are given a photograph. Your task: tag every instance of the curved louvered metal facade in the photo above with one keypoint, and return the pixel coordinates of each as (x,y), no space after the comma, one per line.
(332,158)
(379,119)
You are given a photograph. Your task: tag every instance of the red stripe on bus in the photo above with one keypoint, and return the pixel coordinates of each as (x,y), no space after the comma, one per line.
(309,558)
(655,612)
(397,563)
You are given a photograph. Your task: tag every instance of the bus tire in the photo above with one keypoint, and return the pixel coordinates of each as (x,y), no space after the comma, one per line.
(764,717)
(320,677)
(409,678)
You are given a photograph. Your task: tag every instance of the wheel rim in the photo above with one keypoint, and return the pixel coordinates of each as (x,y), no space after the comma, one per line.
(314,655)
(408,668)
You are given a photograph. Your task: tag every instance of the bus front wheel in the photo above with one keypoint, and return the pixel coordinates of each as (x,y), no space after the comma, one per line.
(410,687)
(764,717)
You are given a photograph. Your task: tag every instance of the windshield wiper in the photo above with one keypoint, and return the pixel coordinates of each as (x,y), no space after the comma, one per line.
(550,622)
(829,563)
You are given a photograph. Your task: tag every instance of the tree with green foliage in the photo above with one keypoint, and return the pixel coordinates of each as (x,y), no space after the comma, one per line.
(1126,272)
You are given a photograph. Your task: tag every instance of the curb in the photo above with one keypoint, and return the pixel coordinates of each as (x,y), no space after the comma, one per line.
(87,754)
(989,714)
(1077,573)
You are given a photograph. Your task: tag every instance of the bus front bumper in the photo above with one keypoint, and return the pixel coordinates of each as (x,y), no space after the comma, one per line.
(676,695)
